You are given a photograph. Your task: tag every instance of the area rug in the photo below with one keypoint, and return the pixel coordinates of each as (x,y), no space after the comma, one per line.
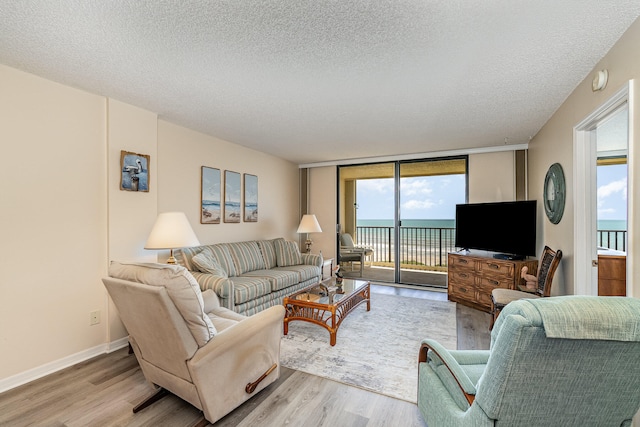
(375,350)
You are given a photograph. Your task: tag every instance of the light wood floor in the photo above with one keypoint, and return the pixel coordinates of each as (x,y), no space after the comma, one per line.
(103,391)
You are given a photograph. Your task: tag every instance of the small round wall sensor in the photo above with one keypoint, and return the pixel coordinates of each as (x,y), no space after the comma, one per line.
(600,80)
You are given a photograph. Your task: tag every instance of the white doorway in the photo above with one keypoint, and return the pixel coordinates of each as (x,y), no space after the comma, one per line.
(587,150)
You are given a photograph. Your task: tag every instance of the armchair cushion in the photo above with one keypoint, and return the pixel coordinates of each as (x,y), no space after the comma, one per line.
(182,288)
(590,318)
(287,253)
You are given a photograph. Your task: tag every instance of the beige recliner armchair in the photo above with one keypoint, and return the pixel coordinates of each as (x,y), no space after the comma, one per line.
(188,345)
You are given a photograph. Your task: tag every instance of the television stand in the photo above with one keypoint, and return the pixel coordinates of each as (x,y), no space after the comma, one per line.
(471,278)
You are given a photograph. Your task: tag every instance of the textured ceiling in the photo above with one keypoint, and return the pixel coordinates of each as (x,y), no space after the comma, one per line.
(313,80)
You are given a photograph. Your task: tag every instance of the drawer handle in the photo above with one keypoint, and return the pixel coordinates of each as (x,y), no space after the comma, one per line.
(463,261)
(465,275)
(494,266)
(494,282)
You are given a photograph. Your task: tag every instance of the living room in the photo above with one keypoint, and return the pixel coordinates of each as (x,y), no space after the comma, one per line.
(62,202)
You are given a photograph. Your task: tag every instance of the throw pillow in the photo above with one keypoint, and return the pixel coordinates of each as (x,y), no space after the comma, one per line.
(287,253)
(205,262)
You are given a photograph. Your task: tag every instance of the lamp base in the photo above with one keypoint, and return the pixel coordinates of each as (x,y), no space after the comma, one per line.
(308,243)
(172,260)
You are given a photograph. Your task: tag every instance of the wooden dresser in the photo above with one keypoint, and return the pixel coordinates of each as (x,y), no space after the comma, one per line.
(471,278)
(612,274)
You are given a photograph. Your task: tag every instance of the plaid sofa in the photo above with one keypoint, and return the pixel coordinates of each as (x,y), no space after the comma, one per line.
(251,276)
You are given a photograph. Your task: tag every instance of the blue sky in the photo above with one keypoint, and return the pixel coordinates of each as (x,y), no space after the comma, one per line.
(422,197)
(612,192)
(436,197)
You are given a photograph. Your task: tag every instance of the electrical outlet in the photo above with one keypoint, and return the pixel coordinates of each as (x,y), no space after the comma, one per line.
(94,318)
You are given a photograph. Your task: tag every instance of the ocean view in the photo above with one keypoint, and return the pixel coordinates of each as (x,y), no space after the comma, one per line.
(606,224)
(426,241)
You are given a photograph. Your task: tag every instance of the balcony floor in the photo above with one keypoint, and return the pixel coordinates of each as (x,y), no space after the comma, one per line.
(407,276)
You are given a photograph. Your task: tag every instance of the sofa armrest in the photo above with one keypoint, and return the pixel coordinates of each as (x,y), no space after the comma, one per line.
(446,358)
(312,259)
(235,357)
(221,285)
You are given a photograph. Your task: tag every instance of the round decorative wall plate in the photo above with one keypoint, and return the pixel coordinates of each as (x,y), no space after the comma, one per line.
(554,193)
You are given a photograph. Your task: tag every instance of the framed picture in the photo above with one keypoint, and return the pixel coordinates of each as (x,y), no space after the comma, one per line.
(250,198)
(134,171)
(232,196)
(210,191)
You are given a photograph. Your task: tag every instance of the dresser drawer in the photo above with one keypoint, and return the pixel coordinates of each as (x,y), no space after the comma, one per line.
(489,283)
(495,268)
(461,262)
(462,276)
(461,290)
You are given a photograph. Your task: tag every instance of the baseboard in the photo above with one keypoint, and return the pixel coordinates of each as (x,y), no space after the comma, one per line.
(57,365)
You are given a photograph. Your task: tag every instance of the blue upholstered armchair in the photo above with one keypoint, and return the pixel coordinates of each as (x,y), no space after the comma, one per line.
(559,361)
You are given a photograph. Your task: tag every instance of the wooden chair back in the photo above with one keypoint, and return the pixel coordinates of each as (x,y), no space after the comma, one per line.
(546,269)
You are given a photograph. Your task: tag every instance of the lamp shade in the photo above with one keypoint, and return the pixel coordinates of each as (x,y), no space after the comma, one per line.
(309,224)
(171,230)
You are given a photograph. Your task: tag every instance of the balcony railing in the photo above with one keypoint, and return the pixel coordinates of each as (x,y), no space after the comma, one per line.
(419,246)
(427,248)
(612,239)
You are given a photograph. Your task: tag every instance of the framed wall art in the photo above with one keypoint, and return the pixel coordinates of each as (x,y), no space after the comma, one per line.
(250,198)
(134,171)
(210,196)
(232,195)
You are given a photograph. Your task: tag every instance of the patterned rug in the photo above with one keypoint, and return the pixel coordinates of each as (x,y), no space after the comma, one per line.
(375,350)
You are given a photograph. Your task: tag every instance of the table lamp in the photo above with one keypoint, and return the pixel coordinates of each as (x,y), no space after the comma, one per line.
(170,231)
(309,224)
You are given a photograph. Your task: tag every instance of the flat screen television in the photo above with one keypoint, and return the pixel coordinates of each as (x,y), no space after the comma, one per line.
(508,228)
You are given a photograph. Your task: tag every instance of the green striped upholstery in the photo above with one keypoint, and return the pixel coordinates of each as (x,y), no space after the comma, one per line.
(222,286)
(279,279)
(287,253)
(220,251)
(246,256)
(249,288)
(205,262)
(223,255)
(274,298)
(304,272)
(268,249)
(184,255)
(246,276)
(312,259)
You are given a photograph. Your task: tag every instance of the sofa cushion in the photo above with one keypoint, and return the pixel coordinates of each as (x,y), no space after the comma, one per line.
(246,256)
(223,256)
(304,272)
(182,288)
(268,249)
(278,279)
(206,262)
(248,288)
(287,253)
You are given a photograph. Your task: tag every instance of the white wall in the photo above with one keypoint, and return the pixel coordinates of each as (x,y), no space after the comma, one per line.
(131,214)
(64,217)
(492,177)
(53,221)
(181,154)
(323,203)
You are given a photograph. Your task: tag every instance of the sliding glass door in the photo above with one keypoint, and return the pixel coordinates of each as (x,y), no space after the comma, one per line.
(428,194)
(403,213)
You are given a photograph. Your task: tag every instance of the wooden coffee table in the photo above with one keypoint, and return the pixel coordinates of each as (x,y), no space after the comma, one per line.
(325,304)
